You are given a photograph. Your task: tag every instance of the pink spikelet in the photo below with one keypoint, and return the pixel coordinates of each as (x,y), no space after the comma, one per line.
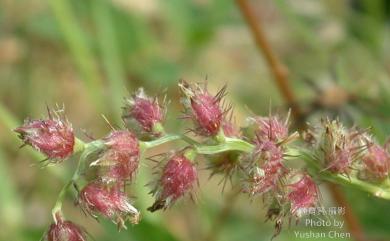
(64,230)
(142,113)
(267,177)
(53,136)
(304,194)
(178,178)
(271,128)
(203,108)
(120,161)
(376,162)
(108,201)
(267,171)
(338,148)
(340,161)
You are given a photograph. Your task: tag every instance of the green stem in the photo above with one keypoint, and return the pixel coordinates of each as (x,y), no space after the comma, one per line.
(159,128)
(220,137)
(226,144)
(229,144)
(57,209)
(80,146)
(374,189)
(378,190)
(167,138)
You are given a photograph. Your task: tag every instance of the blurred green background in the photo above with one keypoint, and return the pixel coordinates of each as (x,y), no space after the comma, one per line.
(89,54)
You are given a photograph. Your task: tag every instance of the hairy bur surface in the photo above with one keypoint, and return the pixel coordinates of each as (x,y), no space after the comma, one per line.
(271,128)
(304,194)
(65,231)
(338,147)
(121,159)
(268,170)
(52,137)
(377,162)
(207,113)
(143,110)
(178,177)
(109,201)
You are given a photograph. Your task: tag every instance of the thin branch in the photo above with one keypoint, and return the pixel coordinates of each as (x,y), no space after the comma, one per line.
(279,70)
(353,225)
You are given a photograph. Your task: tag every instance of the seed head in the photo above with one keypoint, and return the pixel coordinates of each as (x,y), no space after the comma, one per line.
(265,169)
(97,198)
(65,231)
(203,108)
(267,151)
(53,137)
(376,162)
(266,178)
(340,161)
(304,194)
(178,177)
(271,128)
(142,113)
(119,162)
(337,147)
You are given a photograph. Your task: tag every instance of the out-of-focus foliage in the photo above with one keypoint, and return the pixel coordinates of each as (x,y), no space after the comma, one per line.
(88,54)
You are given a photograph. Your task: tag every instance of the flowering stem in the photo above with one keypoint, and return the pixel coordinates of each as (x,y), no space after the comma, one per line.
(220,137)
(158,128)
(229,144)
(235,144)
(190,154)
(57,209)
(381,191)
(167,138)
(80,146)
(225,144)
(378,191)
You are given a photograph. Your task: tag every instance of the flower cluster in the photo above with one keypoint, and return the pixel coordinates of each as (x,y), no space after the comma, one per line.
(338,147)
(117,164)
(109,201)
(144,114)
(64,230)
(120,160)
(304,194)
(53,136)
(268,175)
(376,163)
(203,108)
(266,169)
(349,152)
(176,178)
(255,157)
